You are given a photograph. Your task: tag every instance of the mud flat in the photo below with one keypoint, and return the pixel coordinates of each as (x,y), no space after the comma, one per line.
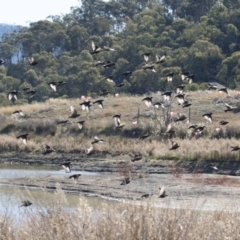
(188,185)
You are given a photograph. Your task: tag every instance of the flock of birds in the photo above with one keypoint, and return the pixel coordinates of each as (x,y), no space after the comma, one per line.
(168,98)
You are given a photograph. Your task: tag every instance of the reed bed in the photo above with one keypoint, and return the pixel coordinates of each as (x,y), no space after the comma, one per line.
(126,220)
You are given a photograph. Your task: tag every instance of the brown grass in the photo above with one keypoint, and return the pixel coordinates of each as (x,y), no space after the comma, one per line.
(41,118)
(130,220)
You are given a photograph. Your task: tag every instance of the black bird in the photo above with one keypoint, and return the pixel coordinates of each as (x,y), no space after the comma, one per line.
(110,79)
(158,105)
(180,117)
(170,77)
(162,192)
(148,101)
(180,98)
(26,203)
(117,121)
(97,140)
(125,181)
(31,93)
(108,64)
(160,59)
(19,112)
(124,74)
(147,66)
(66,166)
(120,85)
(186,104)
(48,149)
(95,49)
(208,116)
(99,102)
(63,122)
(146,195)
(223,122)
(73,112)
(184,75)
(23,137)
(174,145)
(80,124)
(53,85)
(146,56)
(2,62)
(32,61)
(179,89)
(136,157)
(75,177)
(60,84)
(223,90)
(142,137)
(190,78)
(12,96)
(235,148)
(229,108)
(167,95)
(85,105)
(104,92)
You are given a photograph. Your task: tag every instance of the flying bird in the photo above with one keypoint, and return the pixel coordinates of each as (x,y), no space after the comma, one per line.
(73,112)
(125,181)
(160,59)
(146,56)
(48,149)
(136,157)
(117,121)
(97,140)
(31,93)
(147,66)
(26,203)
(148,101)
(95,49)
(170,77)
(32,61)
(12,96)
(80,124)
(19,112)
(2,62)
(174,145)
(99,102)
(162,192)
(23,137)
(223,122)
(229,108)
(66,166)
(85,105)
(208,116)
(235,148)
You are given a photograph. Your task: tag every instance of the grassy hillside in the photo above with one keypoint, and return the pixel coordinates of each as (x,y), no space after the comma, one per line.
(40,121)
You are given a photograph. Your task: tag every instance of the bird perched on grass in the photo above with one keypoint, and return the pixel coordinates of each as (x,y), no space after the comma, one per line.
(73,112)
(26,203)
(117,121)
(23,137)
(32,61)
(208,116)
(75,177)
(174,145)
(66,166)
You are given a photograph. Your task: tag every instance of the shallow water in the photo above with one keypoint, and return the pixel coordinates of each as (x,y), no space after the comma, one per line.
(11,196)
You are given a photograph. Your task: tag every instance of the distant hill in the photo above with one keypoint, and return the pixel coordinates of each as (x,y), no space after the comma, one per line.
(5,28)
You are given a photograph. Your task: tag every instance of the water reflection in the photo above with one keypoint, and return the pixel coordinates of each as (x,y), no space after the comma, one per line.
(12,196)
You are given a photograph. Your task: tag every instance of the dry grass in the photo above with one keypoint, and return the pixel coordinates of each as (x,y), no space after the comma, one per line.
(130,220)
(41,118)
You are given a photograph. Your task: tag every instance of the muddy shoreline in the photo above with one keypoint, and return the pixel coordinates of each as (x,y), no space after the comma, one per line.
(186,183)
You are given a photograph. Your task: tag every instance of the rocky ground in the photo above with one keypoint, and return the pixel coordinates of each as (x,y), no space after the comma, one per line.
(188,184)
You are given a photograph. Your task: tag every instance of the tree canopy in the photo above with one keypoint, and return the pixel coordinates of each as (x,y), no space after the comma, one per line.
(202,37)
